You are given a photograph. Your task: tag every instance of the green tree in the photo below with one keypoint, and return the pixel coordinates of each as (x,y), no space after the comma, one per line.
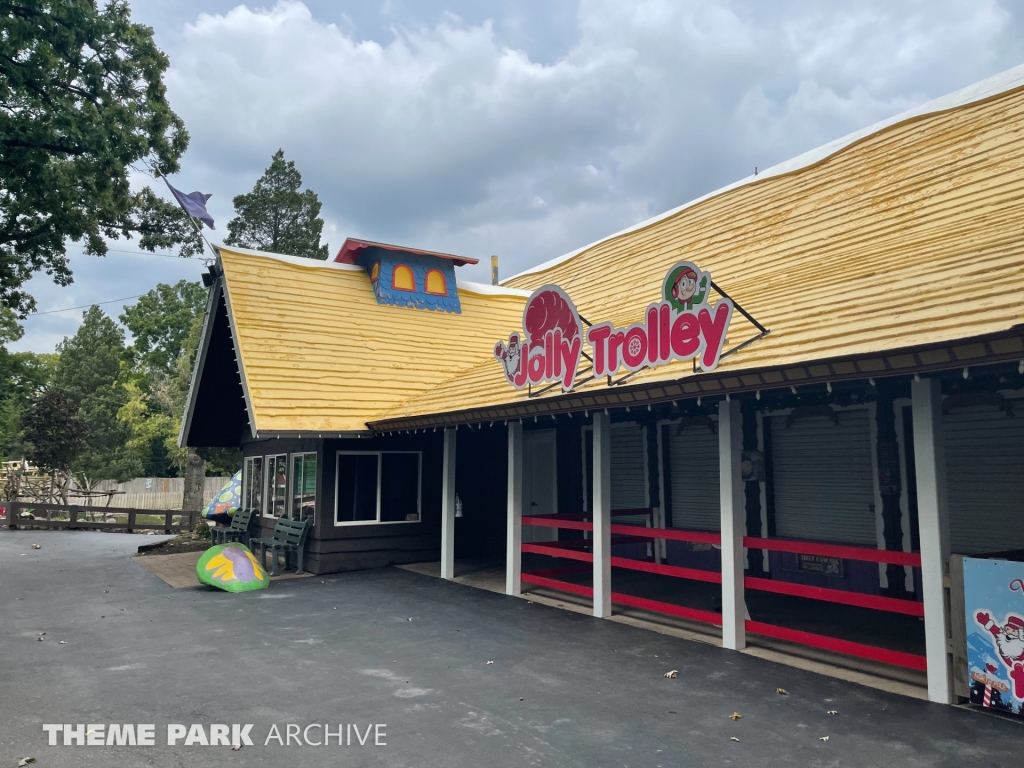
(81,103)
(91,367)
(276,217)
(23,375)
(55,434)
(161,320)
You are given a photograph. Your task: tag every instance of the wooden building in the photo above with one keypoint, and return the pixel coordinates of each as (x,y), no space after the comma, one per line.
(860,425)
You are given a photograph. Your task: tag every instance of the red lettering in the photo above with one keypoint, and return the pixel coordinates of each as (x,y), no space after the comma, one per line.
(614,342)
(570,360)
(549,356)
(713,330)
(634,347)
(652,334)
(597,335)
(665,322)
(536,365)
(556,353)
(524,356)
(685,336)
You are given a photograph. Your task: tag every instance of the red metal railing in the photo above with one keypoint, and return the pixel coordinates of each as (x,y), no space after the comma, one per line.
(662,569)
(581,550)
(874,602)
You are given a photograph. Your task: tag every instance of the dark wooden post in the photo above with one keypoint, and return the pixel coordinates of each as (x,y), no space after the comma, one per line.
(888,459)
(752,488)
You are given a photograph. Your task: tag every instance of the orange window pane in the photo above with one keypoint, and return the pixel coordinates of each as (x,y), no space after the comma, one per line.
(402,279)
(375,272)
(436,283)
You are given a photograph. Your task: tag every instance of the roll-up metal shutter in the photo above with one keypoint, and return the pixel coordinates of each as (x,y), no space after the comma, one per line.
(822,472)
(693,462)
(629,470)
(985,479)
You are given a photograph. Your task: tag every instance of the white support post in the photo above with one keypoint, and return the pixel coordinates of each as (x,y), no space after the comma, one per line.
(602,516)
(933,526)
(448,506)
(514,533)
(730,443)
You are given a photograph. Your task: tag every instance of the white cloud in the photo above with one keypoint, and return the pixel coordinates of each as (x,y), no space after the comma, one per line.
(449,134)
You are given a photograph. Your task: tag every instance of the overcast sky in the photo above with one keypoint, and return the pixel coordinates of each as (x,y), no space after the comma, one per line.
(524,129)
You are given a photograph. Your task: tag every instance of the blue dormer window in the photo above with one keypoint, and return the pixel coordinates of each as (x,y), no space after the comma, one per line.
(407,277)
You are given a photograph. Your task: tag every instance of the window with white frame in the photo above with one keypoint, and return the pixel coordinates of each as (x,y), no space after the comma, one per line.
(377,487)
(252,482)
(277,486)
(303,486)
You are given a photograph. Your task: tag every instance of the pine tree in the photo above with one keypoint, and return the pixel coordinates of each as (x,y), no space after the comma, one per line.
(276,217)
(89,367)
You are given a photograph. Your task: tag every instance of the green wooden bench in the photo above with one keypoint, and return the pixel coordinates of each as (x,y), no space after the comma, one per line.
(237,531)
(289,536)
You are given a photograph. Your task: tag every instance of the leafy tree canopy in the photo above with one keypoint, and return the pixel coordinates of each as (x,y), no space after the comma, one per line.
(161,320)
(81,102)
(276,217)
(91,367)
(55,432)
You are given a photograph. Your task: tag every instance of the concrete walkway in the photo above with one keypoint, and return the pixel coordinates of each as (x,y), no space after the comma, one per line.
(398,648)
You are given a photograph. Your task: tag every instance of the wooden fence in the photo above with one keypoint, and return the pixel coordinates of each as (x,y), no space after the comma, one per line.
(95,518)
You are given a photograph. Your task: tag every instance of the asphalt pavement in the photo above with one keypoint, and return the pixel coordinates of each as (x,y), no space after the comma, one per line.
(447,675)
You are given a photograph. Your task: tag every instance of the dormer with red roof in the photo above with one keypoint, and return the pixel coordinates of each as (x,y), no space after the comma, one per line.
(407,277)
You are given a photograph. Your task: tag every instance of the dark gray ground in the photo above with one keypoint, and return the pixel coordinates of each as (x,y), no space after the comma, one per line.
(564,689)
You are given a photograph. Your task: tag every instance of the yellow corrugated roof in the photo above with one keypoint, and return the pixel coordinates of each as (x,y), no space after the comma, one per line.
(911,235)
(319,354)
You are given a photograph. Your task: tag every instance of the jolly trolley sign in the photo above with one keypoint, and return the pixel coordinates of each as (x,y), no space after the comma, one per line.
(682,325)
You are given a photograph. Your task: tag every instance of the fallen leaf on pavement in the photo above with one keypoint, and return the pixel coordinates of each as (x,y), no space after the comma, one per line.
(832,712)
(782,691)
(40,633)
(37,546)
(735,716)
(236,747)
(823,738)
(25,761)
(490,662)
(62,642)
(671,673)
(733,738)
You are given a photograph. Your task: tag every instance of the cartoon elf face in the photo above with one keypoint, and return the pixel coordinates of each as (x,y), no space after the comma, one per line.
(685,287)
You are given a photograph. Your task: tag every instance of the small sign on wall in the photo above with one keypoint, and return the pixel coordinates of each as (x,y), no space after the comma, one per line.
(994,603)
(816,564)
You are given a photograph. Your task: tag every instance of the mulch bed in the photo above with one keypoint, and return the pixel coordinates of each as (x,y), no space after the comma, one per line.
(177,545)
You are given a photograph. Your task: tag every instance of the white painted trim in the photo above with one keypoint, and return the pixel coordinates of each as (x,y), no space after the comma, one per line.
(237,349)
(1004,81)
(212,303)
(602,535)
(380,466)
(448,506)
(485,289)
(298,261)
(514,522)
(268,482)
(933,522)
(730,446)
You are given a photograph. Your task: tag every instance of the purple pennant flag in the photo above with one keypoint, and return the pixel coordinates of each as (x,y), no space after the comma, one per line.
(194,204)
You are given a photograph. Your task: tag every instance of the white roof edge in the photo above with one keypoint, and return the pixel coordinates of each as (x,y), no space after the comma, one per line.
(299,261)
(486,289)
(1004,81)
